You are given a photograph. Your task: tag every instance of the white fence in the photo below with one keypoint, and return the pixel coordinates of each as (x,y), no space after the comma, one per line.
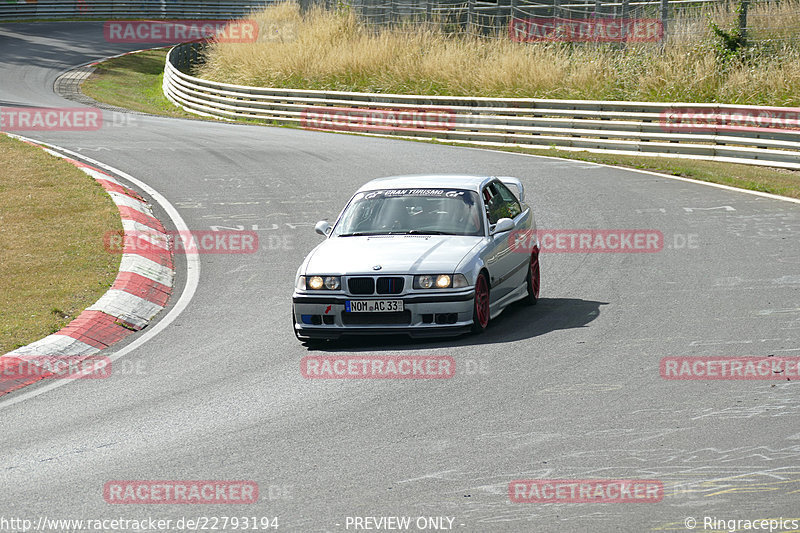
(745,134)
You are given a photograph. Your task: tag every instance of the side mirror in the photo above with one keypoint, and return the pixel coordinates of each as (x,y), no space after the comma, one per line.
(503,225)
(323,228)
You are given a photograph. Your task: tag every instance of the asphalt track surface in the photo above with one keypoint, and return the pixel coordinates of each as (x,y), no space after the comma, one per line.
(568,389)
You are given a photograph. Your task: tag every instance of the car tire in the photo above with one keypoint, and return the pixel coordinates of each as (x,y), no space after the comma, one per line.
(480,307)
(534,280)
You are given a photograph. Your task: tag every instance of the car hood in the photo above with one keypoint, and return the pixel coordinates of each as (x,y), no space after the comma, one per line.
(396,254)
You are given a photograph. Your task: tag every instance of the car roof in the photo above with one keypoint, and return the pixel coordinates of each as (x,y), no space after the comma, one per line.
(445,181)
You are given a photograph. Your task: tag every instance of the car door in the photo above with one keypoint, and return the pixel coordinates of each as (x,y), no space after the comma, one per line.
(506,267)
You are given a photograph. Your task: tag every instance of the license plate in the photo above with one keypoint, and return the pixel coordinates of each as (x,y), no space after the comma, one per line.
(373,306)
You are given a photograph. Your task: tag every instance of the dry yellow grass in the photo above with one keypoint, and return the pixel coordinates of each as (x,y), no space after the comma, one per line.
(52,262)
(332,50)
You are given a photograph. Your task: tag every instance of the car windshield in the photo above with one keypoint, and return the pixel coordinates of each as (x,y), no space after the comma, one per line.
(412,212)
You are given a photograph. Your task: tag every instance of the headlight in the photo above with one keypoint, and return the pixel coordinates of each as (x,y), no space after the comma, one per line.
(423,282)
(316,283)
(437,281)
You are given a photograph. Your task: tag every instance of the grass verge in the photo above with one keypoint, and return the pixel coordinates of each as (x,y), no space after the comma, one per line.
(764,179)
(52,261)
(144,75)
(134,82)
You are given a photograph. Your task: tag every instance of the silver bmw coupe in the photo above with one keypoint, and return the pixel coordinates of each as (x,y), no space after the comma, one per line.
(430,255)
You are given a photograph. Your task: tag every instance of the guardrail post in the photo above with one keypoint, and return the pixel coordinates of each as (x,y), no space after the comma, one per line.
(626,9)
(505,14)
(743,20)
(470,15)
(180,57)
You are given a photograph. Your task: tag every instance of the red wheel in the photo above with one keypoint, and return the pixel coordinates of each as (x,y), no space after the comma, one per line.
(534,279)
(480,315)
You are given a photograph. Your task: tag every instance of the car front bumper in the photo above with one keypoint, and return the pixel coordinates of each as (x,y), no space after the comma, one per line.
(425,315)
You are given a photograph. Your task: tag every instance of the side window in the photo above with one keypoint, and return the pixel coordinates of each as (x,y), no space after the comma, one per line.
(500,202)
(511,202)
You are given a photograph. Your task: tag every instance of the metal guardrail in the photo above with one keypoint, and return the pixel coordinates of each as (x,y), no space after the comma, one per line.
(595,126)
(177,9)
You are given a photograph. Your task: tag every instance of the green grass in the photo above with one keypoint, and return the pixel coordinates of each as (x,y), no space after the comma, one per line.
(135,82)
(52,261)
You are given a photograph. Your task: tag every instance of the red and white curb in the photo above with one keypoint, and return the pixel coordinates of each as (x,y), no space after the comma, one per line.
(139,293)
